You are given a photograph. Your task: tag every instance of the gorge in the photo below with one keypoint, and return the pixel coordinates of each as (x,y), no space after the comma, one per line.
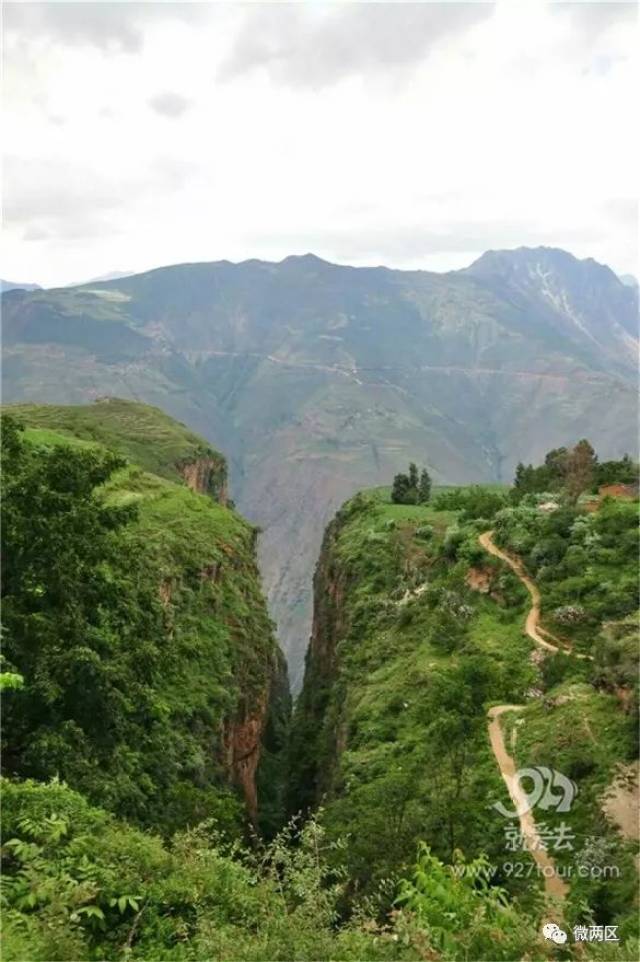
(316,379)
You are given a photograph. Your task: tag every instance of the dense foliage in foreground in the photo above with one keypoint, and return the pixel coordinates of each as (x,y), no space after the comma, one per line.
(132,610)
(77,884)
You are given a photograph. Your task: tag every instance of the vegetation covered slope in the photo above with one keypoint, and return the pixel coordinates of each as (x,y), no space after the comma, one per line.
(326,376)
(417,632)
(133,619)
(77,884)
(132,609)
(143,434)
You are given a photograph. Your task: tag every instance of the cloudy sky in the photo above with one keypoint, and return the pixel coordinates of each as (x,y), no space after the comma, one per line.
(415,135)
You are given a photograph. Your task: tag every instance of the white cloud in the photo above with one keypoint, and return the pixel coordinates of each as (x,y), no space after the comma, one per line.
(411,135)
(318,45)
(169,104)
(107,26)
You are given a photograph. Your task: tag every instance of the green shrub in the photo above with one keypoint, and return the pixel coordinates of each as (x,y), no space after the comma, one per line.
(424,532)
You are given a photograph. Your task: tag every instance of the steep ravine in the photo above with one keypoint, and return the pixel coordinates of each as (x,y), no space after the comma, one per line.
(316,379)
(314,734)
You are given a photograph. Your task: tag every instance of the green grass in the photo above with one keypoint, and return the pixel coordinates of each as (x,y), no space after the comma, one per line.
(49,438)
(497,636)
(141,433)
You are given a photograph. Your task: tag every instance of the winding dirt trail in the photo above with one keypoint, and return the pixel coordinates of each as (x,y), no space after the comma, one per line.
(555,887)
(532,625)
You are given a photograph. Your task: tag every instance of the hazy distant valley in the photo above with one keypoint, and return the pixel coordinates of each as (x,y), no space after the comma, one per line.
(317,380)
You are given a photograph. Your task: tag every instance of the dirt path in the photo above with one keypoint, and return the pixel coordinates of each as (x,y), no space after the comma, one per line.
(532,627)
(554,886)
(533,618)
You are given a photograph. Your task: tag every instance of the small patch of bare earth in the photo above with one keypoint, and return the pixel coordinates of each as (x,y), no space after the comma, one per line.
(622,801)
(479,579)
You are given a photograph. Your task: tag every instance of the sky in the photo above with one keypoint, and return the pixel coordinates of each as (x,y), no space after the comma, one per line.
(415,135)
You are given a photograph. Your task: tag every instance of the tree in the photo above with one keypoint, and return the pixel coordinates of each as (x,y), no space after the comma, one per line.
(400,490)
(413,476)
(424,487)
(556,462)
(624,471)
(581,464)
(528,479)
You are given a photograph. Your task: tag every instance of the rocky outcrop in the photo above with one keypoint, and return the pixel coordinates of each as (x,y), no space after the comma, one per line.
(243,739)
(255,745)
(206,475)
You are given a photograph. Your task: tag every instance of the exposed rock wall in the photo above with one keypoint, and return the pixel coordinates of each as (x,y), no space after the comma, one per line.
(206,475)
(243,738)
(316,737)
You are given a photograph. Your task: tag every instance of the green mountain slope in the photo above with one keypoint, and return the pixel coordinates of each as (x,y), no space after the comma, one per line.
(417,633)
(140,433)
(142,671)
(318,379)
(132,608)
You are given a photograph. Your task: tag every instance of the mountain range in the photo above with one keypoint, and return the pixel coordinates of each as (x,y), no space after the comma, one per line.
(319,379)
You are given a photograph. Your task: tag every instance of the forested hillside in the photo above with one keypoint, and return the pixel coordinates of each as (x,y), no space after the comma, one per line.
(132,610)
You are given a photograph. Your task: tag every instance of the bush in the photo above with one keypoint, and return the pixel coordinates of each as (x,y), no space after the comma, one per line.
(77,884)
(452,540)
(480,503)
(424,532)
(462,915)
(569,615)
(548,551)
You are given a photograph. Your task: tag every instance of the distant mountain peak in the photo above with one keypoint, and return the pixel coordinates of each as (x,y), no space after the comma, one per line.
(307,260)
(540,264)
(14,285)
(519,256)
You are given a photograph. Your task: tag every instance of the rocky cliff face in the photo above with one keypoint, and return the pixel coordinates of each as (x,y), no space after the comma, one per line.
(315,737)
(206,475)
(243,741)
(255,744)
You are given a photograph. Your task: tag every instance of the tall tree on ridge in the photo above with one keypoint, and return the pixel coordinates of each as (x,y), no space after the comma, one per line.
(400,490)
(424,487)
(581,464)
